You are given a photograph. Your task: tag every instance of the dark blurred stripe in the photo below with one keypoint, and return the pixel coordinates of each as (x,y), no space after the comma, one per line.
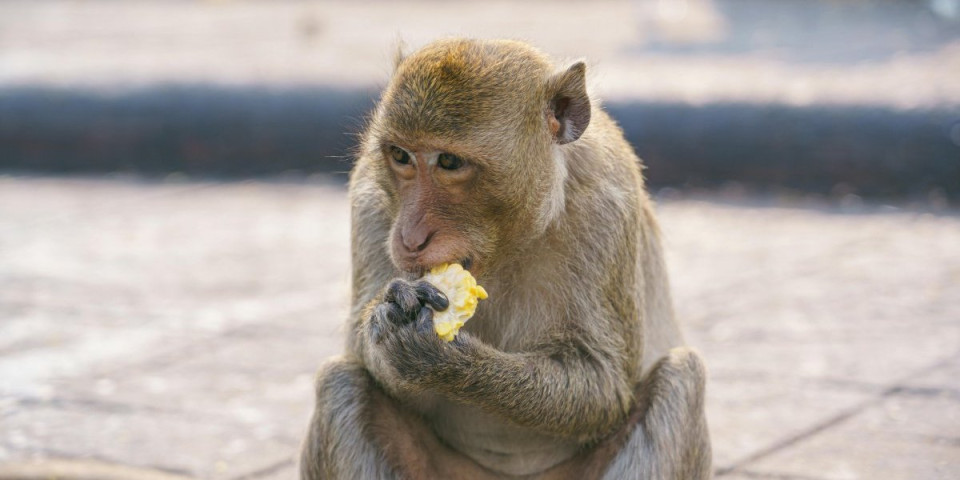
(236,132)
(869,151)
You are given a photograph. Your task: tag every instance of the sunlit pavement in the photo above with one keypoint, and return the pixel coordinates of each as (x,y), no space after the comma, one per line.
(176,327)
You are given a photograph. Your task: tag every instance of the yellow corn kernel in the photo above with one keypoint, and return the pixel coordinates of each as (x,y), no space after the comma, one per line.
(463,292)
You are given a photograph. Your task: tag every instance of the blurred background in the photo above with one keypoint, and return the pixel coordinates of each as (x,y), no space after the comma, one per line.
(174,225)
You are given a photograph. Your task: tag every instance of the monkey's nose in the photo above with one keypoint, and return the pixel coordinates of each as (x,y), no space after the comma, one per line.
(417,239)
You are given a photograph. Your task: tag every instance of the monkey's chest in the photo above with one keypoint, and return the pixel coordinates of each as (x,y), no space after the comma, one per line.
(495,443)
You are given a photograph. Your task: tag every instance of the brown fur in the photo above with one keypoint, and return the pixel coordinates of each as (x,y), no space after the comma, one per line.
(574,367)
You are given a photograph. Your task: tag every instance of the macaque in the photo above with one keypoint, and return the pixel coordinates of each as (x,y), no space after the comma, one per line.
(483,153)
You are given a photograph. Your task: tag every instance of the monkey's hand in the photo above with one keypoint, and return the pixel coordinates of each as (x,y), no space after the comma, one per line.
(401,334)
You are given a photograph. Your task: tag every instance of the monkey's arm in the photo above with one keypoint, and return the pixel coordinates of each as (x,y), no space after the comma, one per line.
(568,387)
(667,435)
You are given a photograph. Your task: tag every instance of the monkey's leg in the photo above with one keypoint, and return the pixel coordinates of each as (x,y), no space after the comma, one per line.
(670,440)
(358,432)
(339,442)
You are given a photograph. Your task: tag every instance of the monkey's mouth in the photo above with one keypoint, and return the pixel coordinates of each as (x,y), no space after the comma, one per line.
(467,263)
(415,269)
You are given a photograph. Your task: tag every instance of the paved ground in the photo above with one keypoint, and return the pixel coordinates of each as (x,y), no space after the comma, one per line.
(175,327)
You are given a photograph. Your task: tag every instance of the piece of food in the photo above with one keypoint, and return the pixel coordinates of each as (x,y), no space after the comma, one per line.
(463,292)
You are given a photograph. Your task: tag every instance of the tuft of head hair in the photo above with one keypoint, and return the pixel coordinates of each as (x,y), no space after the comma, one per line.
(454,88)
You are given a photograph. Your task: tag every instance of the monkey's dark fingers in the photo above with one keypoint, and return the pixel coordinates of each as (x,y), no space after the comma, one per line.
(386,315)
(431,295)
(378,323)
(425,320)
(404,295)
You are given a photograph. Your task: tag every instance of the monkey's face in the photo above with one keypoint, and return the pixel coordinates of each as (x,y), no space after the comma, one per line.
(464,143)
(439,219)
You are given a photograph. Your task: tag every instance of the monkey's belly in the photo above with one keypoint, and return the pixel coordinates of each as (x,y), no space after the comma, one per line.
(496,444)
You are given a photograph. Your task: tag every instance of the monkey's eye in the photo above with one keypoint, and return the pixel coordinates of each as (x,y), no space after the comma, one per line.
(399,155)
(449,161)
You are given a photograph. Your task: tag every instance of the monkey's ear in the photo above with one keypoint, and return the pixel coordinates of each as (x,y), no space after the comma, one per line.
(568,112)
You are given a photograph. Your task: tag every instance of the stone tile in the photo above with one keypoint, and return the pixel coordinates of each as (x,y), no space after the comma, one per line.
(328,319)
(901,438)
(42,347)
(285,470)
(8,454)
(103,273)
(253,379)
(759,476)
(35,201)
(945,378)
(199,446)
(834,359)
(800,292)
(932,418)
(238,245)
(798,316)
(81,469)
(745,416)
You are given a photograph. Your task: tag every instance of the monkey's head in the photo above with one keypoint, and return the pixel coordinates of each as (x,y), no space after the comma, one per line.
(468,142)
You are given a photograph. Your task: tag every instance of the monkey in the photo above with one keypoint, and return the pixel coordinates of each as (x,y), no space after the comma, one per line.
(484,153)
